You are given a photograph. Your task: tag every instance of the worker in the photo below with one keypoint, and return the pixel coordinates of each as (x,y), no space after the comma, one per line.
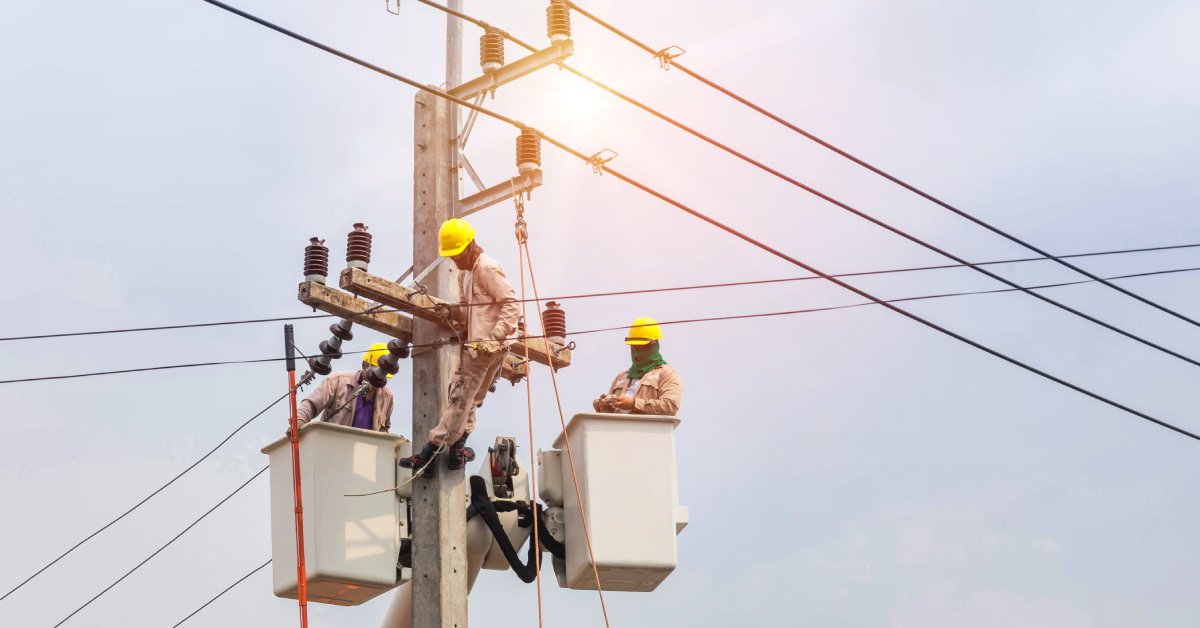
(487,315)
(343,400)
(650,385)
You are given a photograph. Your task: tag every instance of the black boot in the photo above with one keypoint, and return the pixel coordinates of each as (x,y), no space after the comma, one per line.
(423,460)
(460,455)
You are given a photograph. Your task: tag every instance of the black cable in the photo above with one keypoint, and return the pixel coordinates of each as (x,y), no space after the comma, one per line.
(701,216)
(445,343)
(730,284)
(869,218)
(165,546)
(908,186)
(151,495)
(227,590)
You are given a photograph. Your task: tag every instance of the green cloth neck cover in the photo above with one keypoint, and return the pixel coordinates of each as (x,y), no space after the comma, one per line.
(646,358)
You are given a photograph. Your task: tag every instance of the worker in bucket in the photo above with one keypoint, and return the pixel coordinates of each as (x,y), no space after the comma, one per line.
(343,399)
(487,313)
(650,385)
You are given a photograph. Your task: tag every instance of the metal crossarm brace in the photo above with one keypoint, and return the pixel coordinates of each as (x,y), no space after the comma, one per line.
(499,193)
(556,53)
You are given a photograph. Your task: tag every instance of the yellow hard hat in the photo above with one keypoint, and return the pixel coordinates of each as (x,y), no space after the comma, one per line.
(643,331)
(377,350)
(454,236)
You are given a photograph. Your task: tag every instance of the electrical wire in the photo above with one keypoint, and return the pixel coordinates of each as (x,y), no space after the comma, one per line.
(604,168)
(671,61)
(873,220)
(152,494)
(753,282)
(165,546)
(227,590)
(444,343)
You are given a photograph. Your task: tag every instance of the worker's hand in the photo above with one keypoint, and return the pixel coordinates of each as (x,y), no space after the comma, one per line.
(602,404)
(623,403)
(489,346)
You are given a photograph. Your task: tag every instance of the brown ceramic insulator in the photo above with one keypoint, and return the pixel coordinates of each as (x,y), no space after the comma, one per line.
(491,50)
(341,330)
(398,348)
(554,321)
(316,260)
(529,151)
(320,365)
(558,20)
(377,377)
(358,245)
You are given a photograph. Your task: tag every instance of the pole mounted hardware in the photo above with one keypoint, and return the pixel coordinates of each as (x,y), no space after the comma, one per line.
(668,54)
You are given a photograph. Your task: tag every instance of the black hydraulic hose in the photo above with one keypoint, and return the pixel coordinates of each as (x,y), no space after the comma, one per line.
(484,507)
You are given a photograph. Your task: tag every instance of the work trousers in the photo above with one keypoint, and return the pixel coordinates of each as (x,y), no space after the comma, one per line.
(476,372)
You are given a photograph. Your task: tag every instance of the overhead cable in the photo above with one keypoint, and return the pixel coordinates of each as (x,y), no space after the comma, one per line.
(873,220)
(731,284)
(165,546)
(153,493)
(346,351)
(671,61)
(226,590)
(703,217)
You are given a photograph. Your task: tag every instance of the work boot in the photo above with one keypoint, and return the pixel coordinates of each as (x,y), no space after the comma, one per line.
(460,455)
(418,461)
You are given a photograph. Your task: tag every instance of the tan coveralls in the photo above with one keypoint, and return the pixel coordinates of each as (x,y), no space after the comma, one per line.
(497,319)
(659,392)
(334,397)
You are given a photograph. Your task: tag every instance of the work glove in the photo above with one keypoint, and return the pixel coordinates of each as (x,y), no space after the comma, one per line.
(493,344)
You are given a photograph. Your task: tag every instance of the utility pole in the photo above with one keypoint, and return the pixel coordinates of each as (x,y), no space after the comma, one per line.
(439,555)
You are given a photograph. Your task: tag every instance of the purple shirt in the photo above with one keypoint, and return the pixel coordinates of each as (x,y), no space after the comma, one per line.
(364,411)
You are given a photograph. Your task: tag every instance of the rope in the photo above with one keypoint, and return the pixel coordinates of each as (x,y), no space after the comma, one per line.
(567,439)
(522,237)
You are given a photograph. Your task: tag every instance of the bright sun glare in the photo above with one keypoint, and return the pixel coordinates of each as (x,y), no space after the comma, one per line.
(578,103)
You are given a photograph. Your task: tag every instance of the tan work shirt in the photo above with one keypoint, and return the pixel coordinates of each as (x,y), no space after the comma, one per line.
(659,392)
(334,398)
(486,284)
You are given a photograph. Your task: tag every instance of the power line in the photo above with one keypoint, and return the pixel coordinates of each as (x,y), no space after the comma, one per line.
(857,212)
(671,60)
(151,495)
(613,293)
(165,546)
(226,590)
(585,332)
(699,215)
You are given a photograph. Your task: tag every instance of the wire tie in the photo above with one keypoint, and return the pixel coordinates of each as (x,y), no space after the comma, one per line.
(666,55)
(600,158)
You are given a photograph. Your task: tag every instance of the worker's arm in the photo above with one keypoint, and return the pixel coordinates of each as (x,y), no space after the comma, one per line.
(670,395)
(600,404)
(312,405)
(496,285)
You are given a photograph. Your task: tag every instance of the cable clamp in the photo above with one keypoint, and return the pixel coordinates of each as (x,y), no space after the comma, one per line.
(520,228)
(602,157)
(664,56)
(388,4)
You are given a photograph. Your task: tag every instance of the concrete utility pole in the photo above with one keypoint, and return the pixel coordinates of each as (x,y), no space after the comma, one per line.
(439,554)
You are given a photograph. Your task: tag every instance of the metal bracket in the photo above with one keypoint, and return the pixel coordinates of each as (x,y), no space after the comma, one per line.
(388,4)
(602,157)
(470,124)
(462,159)
(556,53)
(666,55)
(522,184)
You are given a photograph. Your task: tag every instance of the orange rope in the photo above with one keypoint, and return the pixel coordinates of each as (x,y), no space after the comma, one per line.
(533,496)
(566,439)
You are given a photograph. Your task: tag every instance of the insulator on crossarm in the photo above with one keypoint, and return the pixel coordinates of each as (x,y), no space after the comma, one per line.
(399,348)
(320,365)
(491,50)
(358,247)
(316,261)
(341,330)
(377,377)
(554,323)
(529,151)
(331,348)
(558,21)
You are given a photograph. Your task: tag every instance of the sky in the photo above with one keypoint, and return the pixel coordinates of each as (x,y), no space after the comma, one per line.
(166,162)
